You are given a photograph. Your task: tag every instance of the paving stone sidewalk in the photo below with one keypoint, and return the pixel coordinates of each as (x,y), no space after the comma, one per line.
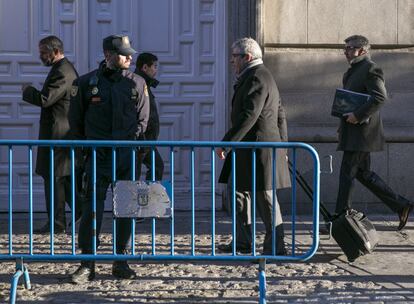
(386,276)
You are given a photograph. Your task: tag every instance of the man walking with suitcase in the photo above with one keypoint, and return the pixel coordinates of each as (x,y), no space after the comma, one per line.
(361,132)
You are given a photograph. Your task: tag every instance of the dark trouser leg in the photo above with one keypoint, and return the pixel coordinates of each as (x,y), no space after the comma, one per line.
(264,206)
(123,225)
(378,187)
(348,172)
(103,180)
(243,219)
(123,234)
(80,192)
(66,180)
(159,165)
(59,199)
(86,224)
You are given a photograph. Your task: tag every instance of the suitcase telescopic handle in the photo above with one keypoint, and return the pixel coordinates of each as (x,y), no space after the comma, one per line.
(309,192)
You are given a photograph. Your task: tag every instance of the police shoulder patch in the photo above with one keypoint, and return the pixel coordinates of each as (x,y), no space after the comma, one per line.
(74,91)
(145,90)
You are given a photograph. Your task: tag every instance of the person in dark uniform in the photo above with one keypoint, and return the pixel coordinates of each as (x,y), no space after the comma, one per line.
(147,67)
(257,115)
(361,132)
(54,99)
(110,103)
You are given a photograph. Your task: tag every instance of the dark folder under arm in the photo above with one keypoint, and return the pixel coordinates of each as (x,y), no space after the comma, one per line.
(346,101)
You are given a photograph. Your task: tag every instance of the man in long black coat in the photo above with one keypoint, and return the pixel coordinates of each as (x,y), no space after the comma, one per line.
(361,132)
(257,116)
(54,100)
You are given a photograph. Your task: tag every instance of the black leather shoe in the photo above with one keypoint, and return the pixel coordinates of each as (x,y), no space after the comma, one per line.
(121,270)
(46,229)
(403,216)
(85,273)
(228,248)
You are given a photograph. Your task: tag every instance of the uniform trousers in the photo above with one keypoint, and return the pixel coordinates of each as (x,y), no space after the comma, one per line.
(103,180)
(357,165)
(264,207)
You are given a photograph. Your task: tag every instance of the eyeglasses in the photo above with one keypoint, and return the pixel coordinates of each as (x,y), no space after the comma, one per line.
(237,54)
(350,48)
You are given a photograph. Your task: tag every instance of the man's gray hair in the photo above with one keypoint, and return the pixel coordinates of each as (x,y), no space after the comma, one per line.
(359,41)
(248,45)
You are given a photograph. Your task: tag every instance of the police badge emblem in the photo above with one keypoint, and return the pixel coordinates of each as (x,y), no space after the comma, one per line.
(74,91)
(95,90)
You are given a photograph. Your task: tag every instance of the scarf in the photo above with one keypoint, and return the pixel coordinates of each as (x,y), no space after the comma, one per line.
(247,67)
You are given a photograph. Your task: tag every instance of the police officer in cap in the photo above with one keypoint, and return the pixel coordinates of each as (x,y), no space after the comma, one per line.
(110,103)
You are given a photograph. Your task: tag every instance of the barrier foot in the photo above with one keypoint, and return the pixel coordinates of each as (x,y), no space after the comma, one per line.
(262,281)
(20,270)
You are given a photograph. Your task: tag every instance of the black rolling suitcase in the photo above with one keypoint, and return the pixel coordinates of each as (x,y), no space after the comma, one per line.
(352,230)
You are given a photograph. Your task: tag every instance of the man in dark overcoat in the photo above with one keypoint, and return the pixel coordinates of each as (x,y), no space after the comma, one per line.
(361,132)
(54,100)
(256,116)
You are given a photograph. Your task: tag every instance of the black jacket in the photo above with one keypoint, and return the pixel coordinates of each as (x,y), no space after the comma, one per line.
(54,100)
(153,127)
(257,115)
(109,105)
(364,77)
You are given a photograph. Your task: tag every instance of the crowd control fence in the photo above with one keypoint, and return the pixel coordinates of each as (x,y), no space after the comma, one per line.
(162,241)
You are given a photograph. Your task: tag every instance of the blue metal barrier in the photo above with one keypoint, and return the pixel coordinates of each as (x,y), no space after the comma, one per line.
(297,253)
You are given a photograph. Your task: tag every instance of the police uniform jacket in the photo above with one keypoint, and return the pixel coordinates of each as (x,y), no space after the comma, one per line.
(54,100)
(109,105)
(364,76)
(153,127)
(257,116)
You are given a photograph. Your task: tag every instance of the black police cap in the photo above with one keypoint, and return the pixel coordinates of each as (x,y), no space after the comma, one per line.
(119,44)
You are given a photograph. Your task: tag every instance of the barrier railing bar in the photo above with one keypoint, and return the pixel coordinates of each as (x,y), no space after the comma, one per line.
(73,197)
(148,143)
(30,200)
(253,202)
(213,202)
(172,198)
(233,200)
(153,164)
(94,187)
(294,202)
(262,281)
(10,200)
(153,179)
(274,200)
(52,200)
(153,236)
(192,202)
(145,257)
(113,158)
(134,178)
